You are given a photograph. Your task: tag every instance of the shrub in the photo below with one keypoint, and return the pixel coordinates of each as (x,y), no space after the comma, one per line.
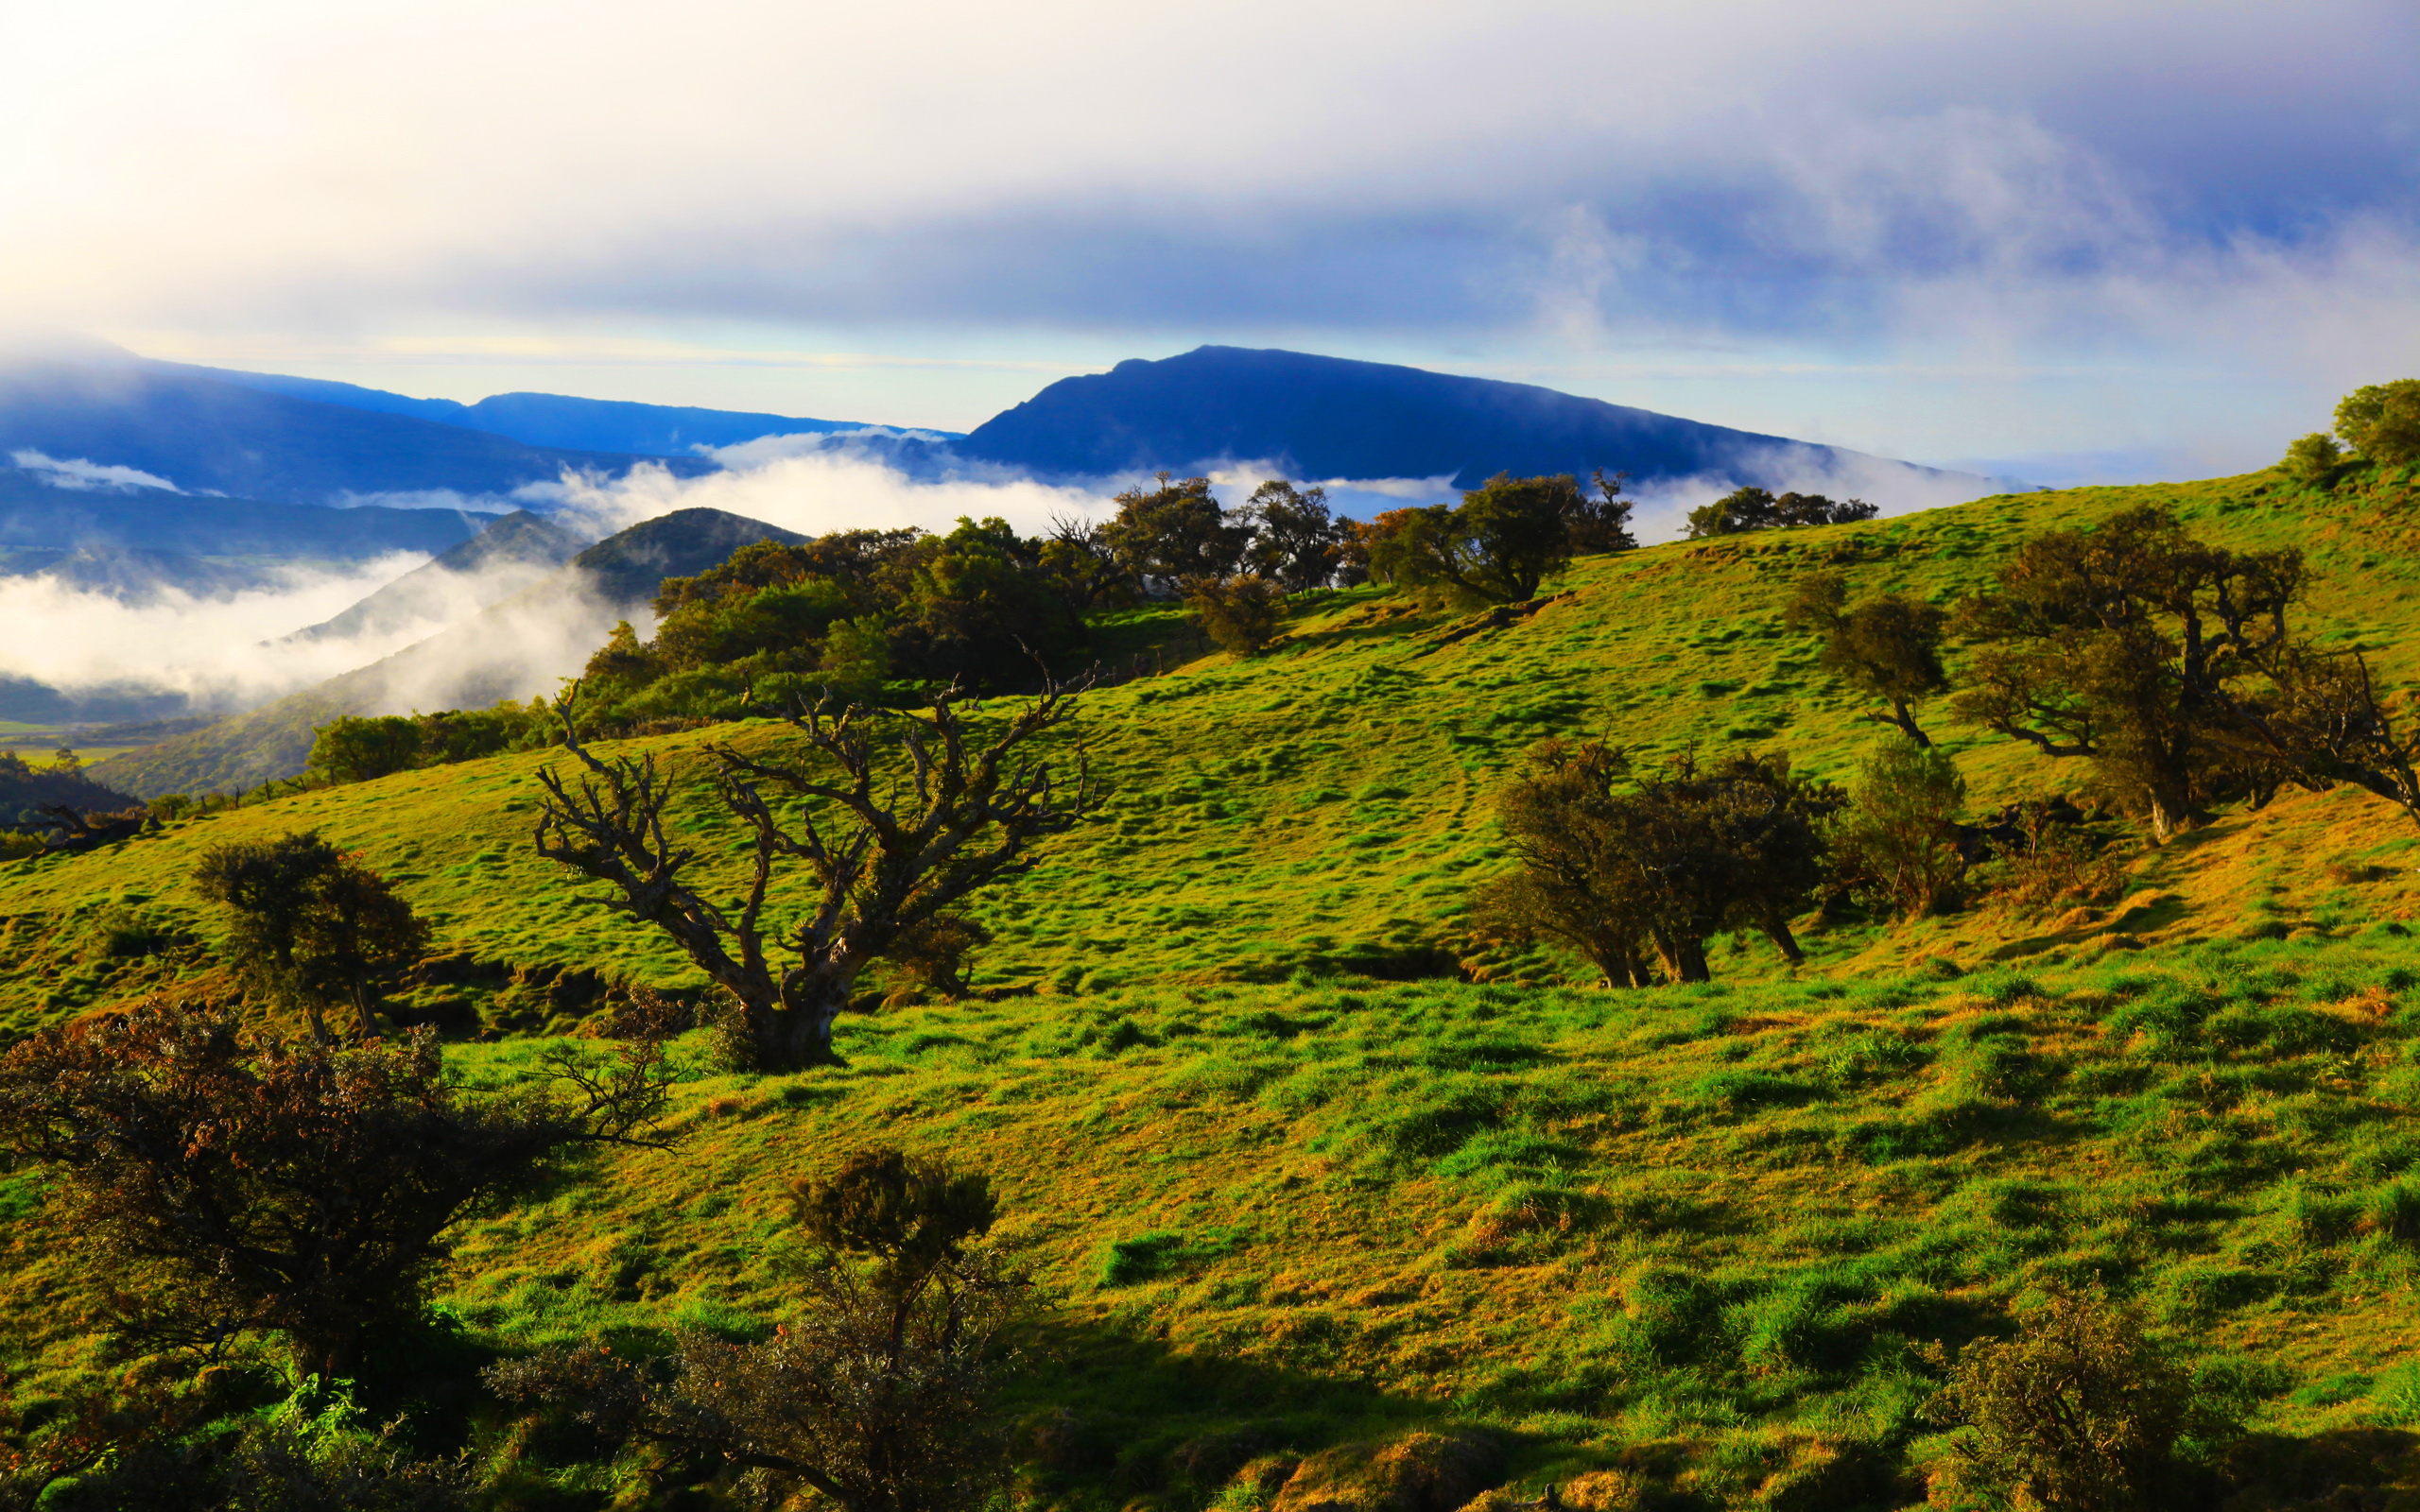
(879,1395)
(2313,458)
(2079,1412)
(237,1184)
(1897,846)
(309,926)
(2050,865)
(1241,614)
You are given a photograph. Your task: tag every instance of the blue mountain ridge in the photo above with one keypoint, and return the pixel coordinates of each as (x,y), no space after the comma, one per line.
(554,419)
(1336,418)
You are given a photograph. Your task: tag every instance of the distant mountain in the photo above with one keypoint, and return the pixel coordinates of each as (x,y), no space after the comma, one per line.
(554,419)
(517,648)
(1332,418)
(516,552)
(206,435)
(38,514)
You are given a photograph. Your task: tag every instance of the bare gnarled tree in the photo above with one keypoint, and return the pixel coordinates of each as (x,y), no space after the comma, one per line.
(893,845)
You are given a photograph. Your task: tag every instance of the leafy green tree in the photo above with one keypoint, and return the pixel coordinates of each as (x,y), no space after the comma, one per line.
(2313,458)
(1506,538)
(880,1394)
(1602,525)
(1296,543)
(310,927)
(1176,533)
(357,750)
(1618,869)
(232,1183)
(1887,648)
(1897,845)
(1753,508)
(2124,645)
(2382,421)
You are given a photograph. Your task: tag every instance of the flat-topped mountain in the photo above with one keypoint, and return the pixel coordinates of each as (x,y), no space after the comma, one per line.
(1331,418)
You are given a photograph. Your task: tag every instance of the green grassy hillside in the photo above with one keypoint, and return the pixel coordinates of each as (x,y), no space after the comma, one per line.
(1297,1182)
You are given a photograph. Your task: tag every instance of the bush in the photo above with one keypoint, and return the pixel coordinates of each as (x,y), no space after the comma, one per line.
(1241,614)
(2313,460)
(1897,846)
(879,1395)
(2080,1411)
(232,1184)
(2050,865)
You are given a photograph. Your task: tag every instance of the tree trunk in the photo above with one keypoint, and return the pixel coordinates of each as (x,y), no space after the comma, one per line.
(2170,813)
(1777,929)
(1684,959)
(794,1036)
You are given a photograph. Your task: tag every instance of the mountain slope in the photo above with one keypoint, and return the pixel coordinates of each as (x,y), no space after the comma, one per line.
(518,647)
(1331,418)
(1291,1185)
(204,434)
(509,555)
(548,419)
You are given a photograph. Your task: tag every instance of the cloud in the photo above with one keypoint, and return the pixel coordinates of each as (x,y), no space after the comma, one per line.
(74,473)
(815,485)
(217,653)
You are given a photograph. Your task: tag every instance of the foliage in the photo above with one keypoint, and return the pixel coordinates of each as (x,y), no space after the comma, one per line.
(879,1394)
(2081,1412)
(1753,508)
(1897,845)
(1296,542)
(2049,863)
(1507,536)
(2313,458)
(964,818)
(2121,644)
(26,790)
(1240,614)
(1602,524)
(314,1453)
(1176,533)
(1687,851)
(310,927)
(2382,421)
(357,749)
(252,1183)
(1887,648)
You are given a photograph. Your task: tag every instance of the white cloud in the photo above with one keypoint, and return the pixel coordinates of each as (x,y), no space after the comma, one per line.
(74,473)
(219,653)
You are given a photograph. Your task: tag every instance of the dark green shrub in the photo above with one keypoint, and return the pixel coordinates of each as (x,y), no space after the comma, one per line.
(2081,1412)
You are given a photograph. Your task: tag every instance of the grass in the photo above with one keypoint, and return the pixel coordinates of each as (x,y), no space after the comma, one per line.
(1303,1164)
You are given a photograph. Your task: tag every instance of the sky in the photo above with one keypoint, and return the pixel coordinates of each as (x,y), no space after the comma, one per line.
(2062,240)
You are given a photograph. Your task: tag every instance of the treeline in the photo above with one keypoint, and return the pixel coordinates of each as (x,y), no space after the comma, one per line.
(881,618)
(2167,665)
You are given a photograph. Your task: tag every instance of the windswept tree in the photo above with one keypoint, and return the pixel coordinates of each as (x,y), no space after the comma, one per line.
(1753,508)
(1600,524)
(2126,645)
(2324,722)
(879,1394)
(1176,533)
(1887,648)
(309,927)
(1506,538)
(226,1182)
(1297,544)
(895,831)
